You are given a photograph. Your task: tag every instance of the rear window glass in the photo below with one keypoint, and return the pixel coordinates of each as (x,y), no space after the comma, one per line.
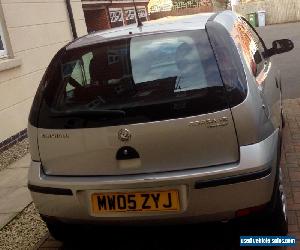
(170,57)
(151,77)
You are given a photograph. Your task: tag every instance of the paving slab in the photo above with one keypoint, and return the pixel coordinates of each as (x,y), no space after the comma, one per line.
(15,201)
(5,218)
(22,163)
(14,194)
(4,191)
(13,177)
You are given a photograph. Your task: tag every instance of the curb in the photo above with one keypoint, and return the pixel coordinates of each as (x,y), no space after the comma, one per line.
(41,242)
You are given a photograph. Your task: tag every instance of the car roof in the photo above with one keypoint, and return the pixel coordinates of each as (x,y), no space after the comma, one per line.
(166,24)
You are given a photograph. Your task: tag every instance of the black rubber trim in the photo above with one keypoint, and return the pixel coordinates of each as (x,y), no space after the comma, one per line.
(49,190)
(233,179)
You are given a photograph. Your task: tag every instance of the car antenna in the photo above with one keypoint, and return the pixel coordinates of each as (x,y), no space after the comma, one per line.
(139,22)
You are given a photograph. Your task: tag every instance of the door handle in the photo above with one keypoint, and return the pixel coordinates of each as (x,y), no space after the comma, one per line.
(127,153)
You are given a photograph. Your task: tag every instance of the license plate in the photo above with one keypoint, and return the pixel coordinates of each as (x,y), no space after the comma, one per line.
(163,201)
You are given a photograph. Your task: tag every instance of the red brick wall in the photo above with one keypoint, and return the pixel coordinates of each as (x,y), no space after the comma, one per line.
(97,19)
(124,5)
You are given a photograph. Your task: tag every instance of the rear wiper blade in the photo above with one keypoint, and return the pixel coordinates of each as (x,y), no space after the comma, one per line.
(88,113)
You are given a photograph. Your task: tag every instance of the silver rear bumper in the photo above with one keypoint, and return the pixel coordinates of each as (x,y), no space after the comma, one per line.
(206,194)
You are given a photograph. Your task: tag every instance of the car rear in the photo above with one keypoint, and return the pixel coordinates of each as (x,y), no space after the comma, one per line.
(140,128)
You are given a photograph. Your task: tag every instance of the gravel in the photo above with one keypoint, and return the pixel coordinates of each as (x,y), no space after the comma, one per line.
(24,232)
(14,153)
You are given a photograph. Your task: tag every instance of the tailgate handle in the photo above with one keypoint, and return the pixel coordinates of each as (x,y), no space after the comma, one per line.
(127,153)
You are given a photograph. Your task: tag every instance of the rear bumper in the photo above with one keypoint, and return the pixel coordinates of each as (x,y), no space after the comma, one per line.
(206,194)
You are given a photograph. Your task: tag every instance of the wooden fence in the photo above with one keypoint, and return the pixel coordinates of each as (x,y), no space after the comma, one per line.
(181,12)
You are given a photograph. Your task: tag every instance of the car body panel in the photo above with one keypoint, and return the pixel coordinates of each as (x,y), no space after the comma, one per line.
(181,152)
(204,204)
(260,113)
(177,144)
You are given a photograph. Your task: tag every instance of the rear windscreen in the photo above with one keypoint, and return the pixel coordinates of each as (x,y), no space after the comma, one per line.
(139,79)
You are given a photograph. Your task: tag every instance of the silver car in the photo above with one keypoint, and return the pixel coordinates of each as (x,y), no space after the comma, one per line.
(175,121)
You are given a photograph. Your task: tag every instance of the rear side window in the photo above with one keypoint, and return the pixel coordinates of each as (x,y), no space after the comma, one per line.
(229,62)
(140,79)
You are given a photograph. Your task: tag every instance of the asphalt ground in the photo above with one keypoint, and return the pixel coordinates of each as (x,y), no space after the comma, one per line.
(288,63)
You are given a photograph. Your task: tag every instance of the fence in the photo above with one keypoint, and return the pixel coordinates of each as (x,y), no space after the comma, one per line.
(276,11)
(181,12)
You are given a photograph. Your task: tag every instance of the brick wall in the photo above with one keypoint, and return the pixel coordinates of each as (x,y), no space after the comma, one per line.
(124,5)
(97,20)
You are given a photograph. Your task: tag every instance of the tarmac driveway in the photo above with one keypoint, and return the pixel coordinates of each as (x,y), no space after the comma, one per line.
(289,63)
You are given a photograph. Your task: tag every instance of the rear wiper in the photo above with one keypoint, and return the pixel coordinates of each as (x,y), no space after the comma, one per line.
(88,113)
